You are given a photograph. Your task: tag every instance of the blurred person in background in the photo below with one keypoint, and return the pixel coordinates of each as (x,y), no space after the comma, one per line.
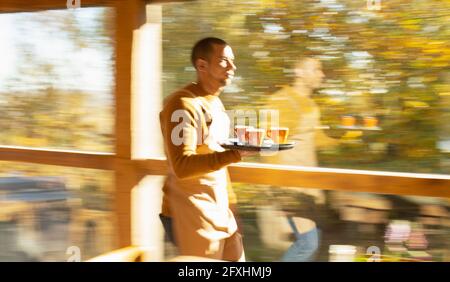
(299,112)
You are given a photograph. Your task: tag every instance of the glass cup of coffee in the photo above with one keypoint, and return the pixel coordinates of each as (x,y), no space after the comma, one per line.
(370,122)
(255,136)
(348,121)
(278,135)
(240,132)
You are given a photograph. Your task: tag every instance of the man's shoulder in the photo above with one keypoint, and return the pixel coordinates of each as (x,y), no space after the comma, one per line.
(281,95)
(181,98)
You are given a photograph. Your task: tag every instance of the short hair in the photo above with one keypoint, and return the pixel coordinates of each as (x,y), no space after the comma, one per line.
(302,62)
(204,47)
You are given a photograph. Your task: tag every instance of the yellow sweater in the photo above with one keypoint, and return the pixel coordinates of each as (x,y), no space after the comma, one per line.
(185,121)
(302,116)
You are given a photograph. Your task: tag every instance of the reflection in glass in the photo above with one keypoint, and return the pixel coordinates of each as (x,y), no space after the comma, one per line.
(56,79)
(384,99)
(48,211)
(343,227)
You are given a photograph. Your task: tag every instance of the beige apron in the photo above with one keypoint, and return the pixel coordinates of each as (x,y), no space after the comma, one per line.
(199,205)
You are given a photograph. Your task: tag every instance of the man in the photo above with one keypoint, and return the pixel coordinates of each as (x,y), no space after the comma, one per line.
(300,113)
(193,123)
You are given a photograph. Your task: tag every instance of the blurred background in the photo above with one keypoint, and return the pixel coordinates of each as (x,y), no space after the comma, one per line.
(56,92)
(388,64)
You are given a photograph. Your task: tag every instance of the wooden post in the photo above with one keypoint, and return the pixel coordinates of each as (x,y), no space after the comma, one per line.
(138,103)
(130,16)
(147,141)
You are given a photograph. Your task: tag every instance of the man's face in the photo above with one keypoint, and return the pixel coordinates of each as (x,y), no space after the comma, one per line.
(220,66)
(310,72)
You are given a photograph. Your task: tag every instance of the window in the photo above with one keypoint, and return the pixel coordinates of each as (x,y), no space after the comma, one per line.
(341,225)
(383,103)
(52,213)
(57,79)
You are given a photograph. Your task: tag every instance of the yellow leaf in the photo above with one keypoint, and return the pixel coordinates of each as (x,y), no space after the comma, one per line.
(416,104)
(352,134)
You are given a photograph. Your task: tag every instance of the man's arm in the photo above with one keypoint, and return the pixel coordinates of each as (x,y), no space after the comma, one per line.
(181,124)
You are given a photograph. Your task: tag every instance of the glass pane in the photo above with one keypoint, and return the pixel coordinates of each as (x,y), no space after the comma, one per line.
(381,101)
(341,226)
(57,79)
(52,213)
